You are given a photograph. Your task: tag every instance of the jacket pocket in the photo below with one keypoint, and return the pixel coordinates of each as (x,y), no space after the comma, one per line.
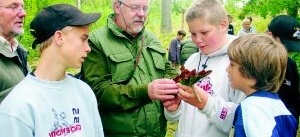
(158,57)
(121,67)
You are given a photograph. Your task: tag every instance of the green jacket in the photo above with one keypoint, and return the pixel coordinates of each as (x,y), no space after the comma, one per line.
(187,49)
(120,87)
(13,68)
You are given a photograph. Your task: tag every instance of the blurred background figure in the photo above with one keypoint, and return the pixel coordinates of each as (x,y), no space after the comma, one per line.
(246,28)
(230,26)
(187,49)
(174,49)
(252,28)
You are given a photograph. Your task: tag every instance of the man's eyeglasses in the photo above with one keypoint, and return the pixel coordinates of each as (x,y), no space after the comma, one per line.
(135,8)
(14,8)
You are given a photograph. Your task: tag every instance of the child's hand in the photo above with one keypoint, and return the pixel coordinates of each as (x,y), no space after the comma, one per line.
(172,104)
(194,96)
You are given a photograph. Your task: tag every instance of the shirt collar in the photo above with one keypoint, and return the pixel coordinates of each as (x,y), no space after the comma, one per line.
(12,47)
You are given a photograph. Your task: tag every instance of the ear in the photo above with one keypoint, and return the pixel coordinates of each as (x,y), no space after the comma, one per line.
(58,37)
(224,25)
(116,7)
(269,33)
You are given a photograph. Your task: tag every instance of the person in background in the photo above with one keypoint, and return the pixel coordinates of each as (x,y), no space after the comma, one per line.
(252,28)
(174,49)
(187,48)
(49,102)
(128,71)
(286,30)
(257,68)
(230,26)
(13,56)
(210,115)
(246,28)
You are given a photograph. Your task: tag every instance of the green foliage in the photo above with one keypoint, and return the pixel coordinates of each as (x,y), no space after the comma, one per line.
(296,56)
(180,6)
(262,12)
(166,39)
(263,8)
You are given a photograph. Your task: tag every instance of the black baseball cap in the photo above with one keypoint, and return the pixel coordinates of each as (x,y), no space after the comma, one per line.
(57,17)
(288,30)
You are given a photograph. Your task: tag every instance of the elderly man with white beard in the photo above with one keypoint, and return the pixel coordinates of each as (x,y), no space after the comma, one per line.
(13,56)
(128,70)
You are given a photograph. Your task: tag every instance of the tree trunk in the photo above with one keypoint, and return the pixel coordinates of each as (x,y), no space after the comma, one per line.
(182,17)
(166,22)
(78,4)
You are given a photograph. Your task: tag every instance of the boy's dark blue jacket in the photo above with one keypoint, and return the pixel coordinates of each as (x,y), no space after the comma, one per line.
(289,90)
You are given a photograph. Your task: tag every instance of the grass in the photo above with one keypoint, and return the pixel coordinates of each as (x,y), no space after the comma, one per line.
(298,131)
(171,128)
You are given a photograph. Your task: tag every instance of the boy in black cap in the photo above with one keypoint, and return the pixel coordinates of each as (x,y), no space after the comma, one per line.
(48,102)
(286,30)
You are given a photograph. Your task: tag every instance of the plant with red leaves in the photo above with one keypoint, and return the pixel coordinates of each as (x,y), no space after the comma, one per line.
(189,78)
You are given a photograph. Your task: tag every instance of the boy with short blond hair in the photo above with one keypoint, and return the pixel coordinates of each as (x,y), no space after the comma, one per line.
(211,114)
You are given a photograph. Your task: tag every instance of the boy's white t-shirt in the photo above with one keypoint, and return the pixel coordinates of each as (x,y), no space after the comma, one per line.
(40,108)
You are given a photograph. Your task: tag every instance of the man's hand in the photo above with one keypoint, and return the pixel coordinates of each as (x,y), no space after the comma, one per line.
(162,89)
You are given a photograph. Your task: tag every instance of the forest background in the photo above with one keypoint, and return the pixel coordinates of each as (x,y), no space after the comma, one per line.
(167,16)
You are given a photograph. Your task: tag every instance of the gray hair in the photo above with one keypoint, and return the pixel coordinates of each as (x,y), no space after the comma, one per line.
(114,1)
